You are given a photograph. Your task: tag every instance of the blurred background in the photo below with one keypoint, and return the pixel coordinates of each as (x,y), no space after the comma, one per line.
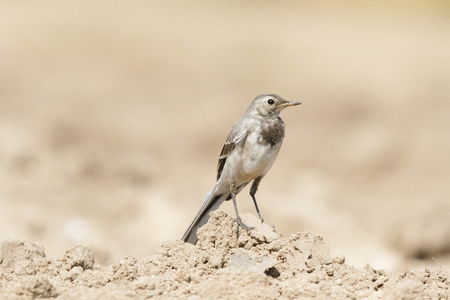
(113,114)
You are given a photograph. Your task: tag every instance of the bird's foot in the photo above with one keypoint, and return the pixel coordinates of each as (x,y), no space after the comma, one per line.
(261,218)
(240,223)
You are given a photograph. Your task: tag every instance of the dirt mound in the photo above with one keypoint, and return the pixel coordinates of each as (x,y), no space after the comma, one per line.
(258,264)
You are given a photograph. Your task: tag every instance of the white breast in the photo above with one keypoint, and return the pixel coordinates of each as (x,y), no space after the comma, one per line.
(251,160)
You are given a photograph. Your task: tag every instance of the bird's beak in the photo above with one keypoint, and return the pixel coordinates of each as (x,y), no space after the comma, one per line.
(289,103)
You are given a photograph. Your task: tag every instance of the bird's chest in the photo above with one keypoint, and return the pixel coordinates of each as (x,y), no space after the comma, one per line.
(260,149)
(271,133)
(264,141)
(259,154)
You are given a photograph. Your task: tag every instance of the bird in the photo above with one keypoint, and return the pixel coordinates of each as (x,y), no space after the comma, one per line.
(247,155)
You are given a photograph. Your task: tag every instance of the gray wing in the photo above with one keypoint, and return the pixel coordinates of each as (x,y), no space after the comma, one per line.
(236,136)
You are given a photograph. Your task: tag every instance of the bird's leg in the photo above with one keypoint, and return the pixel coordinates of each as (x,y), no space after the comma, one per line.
(253,190)
(238,218)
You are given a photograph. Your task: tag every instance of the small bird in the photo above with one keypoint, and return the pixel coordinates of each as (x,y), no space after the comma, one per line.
(247,155)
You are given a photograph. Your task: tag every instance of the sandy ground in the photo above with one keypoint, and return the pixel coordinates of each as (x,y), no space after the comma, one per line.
(113,114)
(260,264)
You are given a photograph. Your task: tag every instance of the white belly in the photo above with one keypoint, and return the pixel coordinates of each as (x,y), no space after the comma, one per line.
(250,160)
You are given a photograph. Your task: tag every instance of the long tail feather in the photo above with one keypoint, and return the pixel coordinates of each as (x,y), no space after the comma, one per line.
(211,203)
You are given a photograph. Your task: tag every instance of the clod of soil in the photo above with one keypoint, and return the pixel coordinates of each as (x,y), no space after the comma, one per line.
(259,264)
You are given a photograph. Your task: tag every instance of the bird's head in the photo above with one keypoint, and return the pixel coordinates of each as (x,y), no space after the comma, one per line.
(269,104)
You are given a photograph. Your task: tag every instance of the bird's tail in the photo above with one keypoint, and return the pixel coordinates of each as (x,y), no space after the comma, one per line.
(211,203)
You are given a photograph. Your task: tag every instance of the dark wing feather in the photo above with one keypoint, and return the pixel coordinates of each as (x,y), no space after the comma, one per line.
(228,147)
(235,137)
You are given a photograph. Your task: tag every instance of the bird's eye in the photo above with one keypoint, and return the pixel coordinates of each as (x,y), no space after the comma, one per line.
(270,101)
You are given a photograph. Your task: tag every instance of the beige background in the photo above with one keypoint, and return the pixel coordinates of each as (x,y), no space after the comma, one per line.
(113,114)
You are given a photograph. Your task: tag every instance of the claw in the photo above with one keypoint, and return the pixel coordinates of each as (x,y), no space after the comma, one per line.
(243,225)
(260,218)
(238,218)
(240,223)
